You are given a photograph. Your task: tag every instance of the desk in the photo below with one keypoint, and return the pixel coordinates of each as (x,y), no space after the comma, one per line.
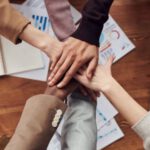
(133,72)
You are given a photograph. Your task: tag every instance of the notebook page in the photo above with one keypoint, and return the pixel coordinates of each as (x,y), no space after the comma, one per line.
(2,71)
(21,57)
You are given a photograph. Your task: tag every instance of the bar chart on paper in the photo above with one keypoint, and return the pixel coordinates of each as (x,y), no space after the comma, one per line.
(41,22)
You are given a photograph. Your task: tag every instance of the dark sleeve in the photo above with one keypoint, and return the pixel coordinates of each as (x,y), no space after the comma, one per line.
(94,15)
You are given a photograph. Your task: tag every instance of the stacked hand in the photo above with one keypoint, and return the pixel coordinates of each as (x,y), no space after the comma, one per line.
(75,54)
(63,92)
(101,79)
(66,57)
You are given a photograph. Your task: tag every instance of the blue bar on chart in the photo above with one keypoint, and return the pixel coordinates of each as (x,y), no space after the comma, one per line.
(41,22)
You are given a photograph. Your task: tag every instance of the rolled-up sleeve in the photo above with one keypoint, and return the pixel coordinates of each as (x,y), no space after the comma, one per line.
(142,128)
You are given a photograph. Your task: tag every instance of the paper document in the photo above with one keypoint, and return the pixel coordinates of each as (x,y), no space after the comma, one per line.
(44,25)
(105,111)
(18,58)
(108,134)
(113,41)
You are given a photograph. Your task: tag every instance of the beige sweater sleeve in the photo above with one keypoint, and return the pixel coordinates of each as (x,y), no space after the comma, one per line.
(142,128)
(12,23)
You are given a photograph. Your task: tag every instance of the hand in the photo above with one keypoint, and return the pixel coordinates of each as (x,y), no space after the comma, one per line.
(75,54)
(41,40)
(53,49)
(101,78)
(63,92)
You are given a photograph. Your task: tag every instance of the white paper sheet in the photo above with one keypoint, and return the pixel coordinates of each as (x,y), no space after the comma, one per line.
(113,41)
(21,57)
(108,134)
(2,71)
(105,111)
(39,14)
(45,26)
(55,143)
(35,3)
(40,4)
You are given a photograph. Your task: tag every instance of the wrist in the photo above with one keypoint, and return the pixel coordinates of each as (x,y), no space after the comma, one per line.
(109,86)
(54,91)
(35,37)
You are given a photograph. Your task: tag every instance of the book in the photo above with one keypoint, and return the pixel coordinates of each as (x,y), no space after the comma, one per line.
(18,58)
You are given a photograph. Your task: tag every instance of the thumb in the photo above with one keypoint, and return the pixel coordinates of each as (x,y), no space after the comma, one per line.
(110,60)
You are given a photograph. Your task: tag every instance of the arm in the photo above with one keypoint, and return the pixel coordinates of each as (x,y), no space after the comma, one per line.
(124,102)
(39,120)
(35,129)
(94,15)
(82,48)
(21,29)
(79,123)
(135,114)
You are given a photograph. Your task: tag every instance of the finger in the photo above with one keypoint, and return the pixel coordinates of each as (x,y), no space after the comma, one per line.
(61,72)
(91,67)
(110,61)
(57,66)
(53,63)
(71,72)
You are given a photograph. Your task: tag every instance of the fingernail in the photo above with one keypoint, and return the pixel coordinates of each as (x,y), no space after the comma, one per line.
(50,83)
(49,78)
(59,85)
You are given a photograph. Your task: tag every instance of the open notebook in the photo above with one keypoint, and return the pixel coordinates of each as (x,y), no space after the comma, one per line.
(18,58)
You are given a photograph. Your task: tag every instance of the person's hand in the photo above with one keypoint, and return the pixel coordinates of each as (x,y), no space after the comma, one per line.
(75,53)
(52,47)
(63,92)
(101,78)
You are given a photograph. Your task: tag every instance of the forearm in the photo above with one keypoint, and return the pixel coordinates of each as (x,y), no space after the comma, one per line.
(35,37)
(94,15)
(125,104)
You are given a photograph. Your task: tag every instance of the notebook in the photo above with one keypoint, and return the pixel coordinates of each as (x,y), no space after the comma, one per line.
(18,58)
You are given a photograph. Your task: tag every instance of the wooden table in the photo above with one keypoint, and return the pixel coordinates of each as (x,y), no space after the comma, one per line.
(133,72)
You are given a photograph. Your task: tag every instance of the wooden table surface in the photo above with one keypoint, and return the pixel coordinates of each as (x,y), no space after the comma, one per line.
(133,72)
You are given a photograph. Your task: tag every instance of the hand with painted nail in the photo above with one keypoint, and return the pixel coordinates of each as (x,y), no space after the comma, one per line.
(101,79)
(75,54)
